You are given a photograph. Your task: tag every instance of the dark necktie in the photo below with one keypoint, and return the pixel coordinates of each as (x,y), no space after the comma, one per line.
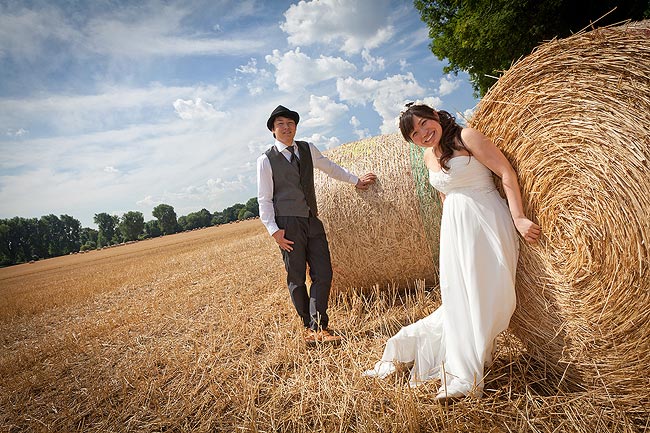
(294,159)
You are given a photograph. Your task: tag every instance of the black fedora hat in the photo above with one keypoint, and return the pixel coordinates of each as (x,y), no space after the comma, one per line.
(284,112)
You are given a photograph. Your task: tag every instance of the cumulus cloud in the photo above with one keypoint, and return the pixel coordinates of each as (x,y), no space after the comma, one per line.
(352,24)
(466,115)
(296,70)
(16,132)
(148,201)
(196,110)
(323,111)
(387,96)
(322,142)
(358,131)
(260,78)
(372,63)
(110,169)
(448,84)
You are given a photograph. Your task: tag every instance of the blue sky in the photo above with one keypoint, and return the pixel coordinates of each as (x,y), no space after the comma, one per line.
(115,106)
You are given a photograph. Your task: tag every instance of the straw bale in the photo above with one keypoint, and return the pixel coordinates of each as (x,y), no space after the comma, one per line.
(388,234)
(574,119)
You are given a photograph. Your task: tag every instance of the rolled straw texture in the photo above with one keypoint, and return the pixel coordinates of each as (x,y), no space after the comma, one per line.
(389,233)
(574,119)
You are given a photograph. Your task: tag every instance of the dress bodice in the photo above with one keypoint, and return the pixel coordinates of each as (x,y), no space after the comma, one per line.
(466,173)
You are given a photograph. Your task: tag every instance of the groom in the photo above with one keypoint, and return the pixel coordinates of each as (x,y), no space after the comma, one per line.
(287,201)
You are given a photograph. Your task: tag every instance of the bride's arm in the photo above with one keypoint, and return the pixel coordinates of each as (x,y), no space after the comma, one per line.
(489,155)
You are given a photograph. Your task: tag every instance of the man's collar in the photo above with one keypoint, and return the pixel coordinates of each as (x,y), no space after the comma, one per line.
(281,146)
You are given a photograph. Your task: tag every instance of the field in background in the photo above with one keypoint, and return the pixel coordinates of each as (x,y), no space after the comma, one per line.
(196,332)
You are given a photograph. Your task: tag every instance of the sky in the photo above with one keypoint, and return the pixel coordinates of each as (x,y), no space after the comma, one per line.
(116,106)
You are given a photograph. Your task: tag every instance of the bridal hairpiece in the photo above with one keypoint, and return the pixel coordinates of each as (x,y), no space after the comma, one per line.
(405,109)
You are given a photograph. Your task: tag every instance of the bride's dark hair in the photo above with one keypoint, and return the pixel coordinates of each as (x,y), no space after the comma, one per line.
(450,139)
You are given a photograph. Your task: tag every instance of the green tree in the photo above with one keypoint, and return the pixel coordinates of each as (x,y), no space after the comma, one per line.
(218,218)
(484,37)
(71,233)
(54,235)
(244,214)
(106,225)
(253,207)
(88,238)
(131,225)
(15,236)
(166,217)
(195,220)
(5,244)
(152,229)
(182,223)
(231,213)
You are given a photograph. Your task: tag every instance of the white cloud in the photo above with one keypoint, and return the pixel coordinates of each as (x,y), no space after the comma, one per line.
(372,63)
(196,110)
(148,201)
(260,77)
(353,24)
(448,84)
(111,169)
(296,70)
(322,142)
(17,132)
(358,131)
(323,111)
(128,32)
(158,31)
(25,33)
(387,96)
(113,108)
(249,68)
(465,115)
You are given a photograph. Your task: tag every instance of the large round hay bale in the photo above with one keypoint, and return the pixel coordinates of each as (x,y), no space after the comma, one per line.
(574,119)
(388,234)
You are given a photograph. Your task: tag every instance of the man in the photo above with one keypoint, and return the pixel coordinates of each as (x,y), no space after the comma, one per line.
(287,201)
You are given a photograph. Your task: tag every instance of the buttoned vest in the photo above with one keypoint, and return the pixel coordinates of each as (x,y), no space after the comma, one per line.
(293,190)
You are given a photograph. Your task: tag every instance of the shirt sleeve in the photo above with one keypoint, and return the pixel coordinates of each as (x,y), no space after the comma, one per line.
(265,194)
(330,168)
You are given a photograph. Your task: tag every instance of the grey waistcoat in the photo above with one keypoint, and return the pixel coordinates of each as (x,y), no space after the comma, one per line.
(293,192)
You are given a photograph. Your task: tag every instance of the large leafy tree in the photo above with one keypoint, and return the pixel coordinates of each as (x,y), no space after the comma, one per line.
(88,238)
(195,220)
(253,207)
(106,227)
(53,233)
(166,217)
(152,229)
(131,225)
(484,37)
(71,234)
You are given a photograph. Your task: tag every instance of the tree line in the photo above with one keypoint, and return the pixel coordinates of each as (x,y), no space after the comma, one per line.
(28,239)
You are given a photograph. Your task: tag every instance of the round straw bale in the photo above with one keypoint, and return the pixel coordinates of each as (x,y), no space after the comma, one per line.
(389,233)
(574,119)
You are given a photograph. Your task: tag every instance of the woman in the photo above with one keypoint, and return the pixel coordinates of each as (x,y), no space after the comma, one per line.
(478,256)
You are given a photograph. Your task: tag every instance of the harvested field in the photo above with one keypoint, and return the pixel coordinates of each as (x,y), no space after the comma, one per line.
(196,332)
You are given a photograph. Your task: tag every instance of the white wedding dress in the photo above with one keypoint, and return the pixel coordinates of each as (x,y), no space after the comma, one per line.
(478,260)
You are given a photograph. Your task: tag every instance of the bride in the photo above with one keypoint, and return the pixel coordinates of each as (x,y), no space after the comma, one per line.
(478,256)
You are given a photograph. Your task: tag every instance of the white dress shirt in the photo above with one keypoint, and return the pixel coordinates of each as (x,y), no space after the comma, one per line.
(265,179)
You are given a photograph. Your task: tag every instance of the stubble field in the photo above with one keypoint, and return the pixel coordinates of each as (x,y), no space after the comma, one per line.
(195,332)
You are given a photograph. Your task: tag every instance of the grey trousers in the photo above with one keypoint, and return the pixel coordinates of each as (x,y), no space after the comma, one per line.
(310,247)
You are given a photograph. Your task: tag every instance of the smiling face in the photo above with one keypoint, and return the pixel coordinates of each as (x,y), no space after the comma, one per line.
(426,132)
(284,129)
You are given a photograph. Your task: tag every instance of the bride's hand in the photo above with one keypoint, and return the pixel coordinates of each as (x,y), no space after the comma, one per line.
(528,229)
